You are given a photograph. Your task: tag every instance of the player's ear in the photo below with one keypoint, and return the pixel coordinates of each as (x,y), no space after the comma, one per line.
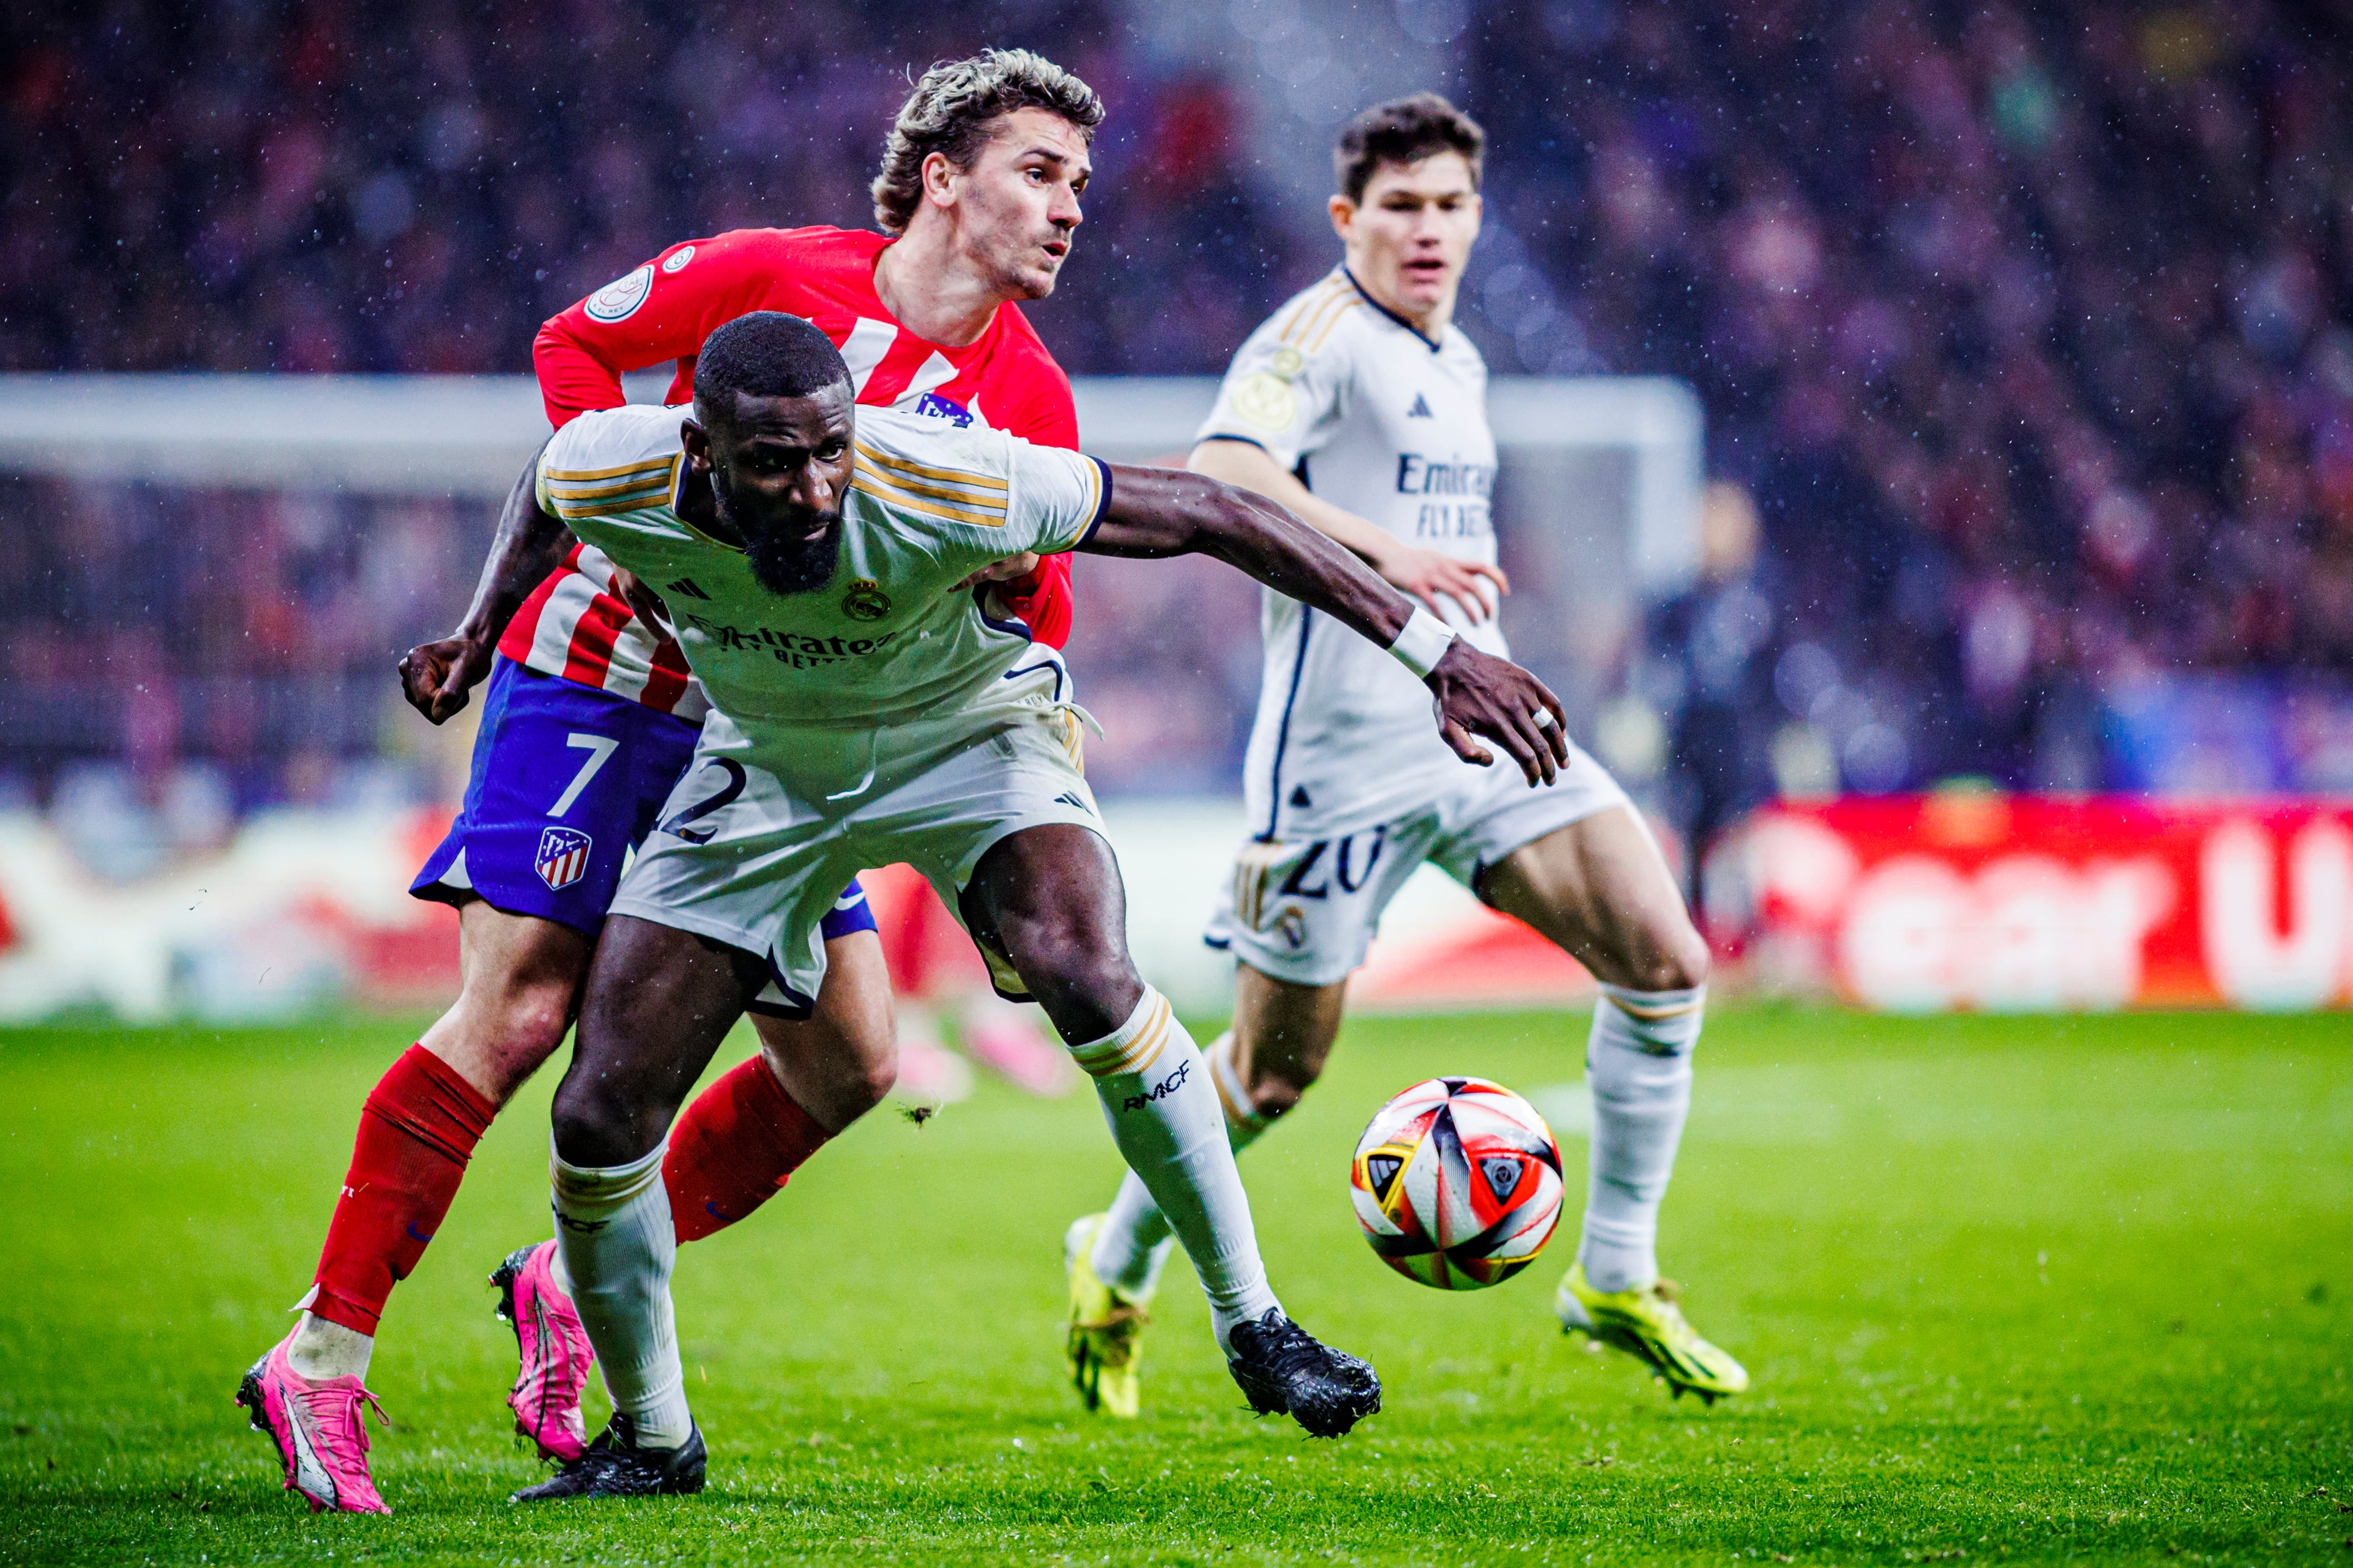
(696,441)
(1344,215)
(939,179)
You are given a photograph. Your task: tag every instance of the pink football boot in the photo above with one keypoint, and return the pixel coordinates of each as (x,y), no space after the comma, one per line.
(318,1429)
(556,1354)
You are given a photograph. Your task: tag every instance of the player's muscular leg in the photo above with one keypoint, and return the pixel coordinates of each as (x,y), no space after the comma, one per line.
(1601,890)
(519,979)
(1283,1037)
(1050,899)
(657,1005)
(841,1061)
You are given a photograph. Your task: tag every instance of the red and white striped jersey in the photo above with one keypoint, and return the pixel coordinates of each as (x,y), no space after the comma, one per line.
(574,624)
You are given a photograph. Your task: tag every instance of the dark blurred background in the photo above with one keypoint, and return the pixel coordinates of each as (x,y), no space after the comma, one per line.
(2022,330)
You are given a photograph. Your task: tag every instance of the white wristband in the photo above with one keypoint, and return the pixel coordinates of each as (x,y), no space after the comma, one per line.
(1422,643)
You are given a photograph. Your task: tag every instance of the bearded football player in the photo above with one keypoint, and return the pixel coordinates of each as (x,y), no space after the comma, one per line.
(865,708)
(591,714)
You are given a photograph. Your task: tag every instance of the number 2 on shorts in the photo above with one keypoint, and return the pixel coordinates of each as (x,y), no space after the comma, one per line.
(600,750)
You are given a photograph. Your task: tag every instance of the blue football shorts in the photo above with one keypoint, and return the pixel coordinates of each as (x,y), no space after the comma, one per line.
(565,781)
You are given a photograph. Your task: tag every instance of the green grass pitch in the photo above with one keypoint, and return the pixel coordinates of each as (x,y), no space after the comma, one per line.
(2011,1290)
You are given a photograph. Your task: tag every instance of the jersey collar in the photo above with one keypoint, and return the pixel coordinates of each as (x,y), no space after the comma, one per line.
(1434,344)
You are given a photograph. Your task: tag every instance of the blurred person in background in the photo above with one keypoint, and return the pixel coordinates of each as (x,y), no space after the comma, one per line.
(592,716)
(1713,643)
(1361,407)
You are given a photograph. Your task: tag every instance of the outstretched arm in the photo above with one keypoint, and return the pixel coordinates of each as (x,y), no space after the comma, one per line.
(437,676)
(1424,573)
(1167,511)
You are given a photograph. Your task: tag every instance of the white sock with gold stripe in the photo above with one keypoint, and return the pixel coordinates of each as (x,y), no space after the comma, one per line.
(1638,1064)
(1165,1117)
(615,1239)
(1132,1248)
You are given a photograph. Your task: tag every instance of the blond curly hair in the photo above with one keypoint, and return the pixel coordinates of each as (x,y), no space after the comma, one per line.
(949,114)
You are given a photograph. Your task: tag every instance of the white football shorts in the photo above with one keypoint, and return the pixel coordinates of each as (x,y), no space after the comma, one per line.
(756,841)
(1304,910)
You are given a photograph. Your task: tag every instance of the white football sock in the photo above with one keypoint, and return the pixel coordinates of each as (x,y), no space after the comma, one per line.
(1164,1113)
(1133,1247)
(617,1244)
(1638,1064)
(322,1347)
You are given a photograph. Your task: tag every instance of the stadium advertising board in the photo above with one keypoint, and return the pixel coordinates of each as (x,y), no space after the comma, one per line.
(2023,904)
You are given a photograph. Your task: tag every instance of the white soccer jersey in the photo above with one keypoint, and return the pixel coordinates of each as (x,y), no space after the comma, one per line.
(1392,427)
(887,641)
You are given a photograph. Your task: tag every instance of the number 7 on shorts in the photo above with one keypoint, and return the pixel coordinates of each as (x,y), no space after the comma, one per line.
(600,750)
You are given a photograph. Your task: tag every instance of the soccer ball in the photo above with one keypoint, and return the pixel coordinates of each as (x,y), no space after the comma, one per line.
(1457,1184)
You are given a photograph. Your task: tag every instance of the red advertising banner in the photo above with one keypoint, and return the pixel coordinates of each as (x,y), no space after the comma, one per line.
(2027,904)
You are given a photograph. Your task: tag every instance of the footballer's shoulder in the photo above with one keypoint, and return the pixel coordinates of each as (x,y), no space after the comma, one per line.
(630,431)
(612,457)
(815,245)
(895,440)
(1308,322)
(925,471)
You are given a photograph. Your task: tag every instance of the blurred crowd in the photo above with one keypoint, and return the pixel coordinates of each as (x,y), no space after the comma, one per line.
(2023,327)
(323,186)
(2024,324)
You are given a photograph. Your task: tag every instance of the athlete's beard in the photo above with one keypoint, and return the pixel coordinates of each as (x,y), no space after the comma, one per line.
(786,565)
(795,565)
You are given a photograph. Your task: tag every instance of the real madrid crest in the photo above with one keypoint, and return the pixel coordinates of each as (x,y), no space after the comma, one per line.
(865,601)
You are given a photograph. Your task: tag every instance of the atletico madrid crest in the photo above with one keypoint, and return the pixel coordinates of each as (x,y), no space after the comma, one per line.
(563,858)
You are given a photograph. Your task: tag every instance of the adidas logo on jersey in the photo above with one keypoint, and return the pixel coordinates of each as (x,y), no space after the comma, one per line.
(686,585)
(1420,409)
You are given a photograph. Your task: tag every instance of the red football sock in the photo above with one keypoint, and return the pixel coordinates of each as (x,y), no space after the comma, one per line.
(734,1148)
(420,1123)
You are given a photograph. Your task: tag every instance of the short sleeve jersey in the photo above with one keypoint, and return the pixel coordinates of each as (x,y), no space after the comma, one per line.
(574,624)
(1392,427)
(887,640)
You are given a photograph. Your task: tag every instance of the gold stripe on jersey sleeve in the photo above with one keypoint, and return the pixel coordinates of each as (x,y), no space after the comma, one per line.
(953,475)
(872,484)
(1314,297)
(1334,322)
(653,478)
(938,492)
(583,476)
(1093,508)
(652,501)
(1327,309)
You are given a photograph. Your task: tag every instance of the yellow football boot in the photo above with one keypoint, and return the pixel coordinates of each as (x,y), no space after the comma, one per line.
(1647,1324)
(1106,1334)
